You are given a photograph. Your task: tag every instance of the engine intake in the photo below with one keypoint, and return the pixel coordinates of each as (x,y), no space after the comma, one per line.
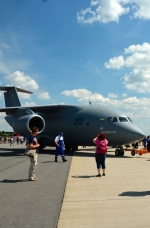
(24,124)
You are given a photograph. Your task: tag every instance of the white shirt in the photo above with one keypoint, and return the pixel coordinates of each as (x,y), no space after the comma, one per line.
(59,138)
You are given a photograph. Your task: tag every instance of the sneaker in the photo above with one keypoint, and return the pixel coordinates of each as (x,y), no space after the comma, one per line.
(104,174)
(98,175)
(64,160)
(32,179)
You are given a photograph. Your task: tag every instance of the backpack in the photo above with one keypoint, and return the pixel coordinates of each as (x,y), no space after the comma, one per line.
(148,146)
(102,147)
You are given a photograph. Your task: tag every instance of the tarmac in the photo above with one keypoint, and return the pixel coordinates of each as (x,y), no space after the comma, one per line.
(121,199)
(31,203)
(69,195)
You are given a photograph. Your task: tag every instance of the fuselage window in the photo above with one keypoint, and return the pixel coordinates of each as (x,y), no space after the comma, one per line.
(109,119)
(130,120)
(115,119)
(123,119)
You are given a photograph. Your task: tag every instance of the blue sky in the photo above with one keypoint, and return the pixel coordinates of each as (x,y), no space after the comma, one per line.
(73,52)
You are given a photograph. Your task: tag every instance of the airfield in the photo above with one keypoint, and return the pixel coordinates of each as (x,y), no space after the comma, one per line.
(69,195)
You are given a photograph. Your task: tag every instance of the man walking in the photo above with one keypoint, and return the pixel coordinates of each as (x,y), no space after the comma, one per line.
(33,145)
(59,141)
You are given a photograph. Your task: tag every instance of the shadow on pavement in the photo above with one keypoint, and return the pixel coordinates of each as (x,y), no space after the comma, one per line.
(15,152)
(47,161)
(80,153)
(92,154)
(135,194)
(13,181)
(83,176)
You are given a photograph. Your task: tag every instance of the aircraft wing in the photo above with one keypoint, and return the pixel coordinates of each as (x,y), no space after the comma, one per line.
(43,108)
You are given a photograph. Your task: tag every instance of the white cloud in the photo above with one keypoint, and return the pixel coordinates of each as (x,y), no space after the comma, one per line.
(112,95)
(124,94)
(77,93)
(29,104)
(105,11)
(115,63)
(3,68)
(141,9)
(5,46)
(132,105)
(136,58)
(24,95)
(21,80)
(44,96)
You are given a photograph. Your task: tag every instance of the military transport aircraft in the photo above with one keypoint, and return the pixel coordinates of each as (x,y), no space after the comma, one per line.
(80,124)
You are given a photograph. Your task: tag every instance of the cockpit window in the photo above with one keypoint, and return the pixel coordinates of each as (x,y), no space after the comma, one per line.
(118,119)
(115,119)
(109,119)
(123,119)
(130,120)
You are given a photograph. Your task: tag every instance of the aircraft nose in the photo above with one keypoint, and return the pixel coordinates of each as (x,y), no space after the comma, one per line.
(136,134)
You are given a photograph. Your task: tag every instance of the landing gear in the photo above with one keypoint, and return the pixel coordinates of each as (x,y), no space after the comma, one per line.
(68,147)
(132,152)
(120,151)
(74,148)
(42,142)
(117,152)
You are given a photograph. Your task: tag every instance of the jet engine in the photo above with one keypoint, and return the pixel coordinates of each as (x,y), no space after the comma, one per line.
(24,124)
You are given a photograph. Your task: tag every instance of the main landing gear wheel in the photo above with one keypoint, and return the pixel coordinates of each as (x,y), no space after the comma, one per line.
(74,148)
(119,152)
(42,142)
(68,147)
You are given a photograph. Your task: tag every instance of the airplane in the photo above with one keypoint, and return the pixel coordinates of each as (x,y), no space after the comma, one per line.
(80,124)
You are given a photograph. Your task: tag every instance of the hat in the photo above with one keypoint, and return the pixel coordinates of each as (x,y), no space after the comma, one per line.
(61,133)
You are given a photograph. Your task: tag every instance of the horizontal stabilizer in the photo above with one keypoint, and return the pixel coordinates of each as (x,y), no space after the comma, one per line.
(7,88)
(11,96)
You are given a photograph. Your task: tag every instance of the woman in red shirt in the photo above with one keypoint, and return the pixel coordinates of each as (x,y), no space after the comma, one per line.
(100,153)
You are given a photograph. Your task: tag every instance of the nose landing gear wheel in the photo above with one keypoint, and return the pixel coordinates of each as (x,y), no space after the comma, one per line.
(133,153)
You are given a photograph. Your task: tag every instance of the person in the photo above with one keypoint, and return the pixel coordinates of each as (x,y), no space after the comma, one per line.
(33,144)
(144,142)
(12,141)
(17,139)
(100,153)
(59,142)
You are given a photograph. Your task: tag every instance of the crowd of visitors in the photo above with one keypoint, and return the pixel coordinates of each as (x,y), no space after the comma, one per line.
(13,140)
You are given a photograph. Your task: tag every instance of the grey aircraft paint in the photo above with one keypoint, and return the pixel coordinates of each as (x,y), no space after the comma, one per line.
(80,124)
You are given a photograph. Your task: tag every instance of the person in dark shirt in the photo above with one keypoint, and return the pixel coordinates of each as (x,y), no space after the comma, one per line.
(33,145)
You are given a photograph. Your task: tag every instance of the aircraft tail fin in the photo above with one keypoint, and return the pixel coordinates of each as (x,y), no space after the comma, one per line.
(11,96)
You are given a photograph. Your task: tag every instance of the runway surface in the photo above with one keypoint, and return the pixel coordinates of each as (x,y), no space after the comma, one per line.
(121,199)
(31,203)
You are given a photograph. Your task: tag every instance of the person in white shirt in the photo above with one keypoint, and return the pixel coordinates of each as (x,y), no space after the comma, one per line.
(59,142)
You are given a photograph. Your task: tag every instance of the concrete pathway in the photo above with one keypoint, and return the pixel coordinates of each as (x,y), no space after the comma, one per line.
(121,199)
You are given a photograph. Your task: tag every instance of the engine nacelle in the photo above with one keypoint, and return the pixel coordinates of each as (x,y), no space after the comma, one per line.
(24,124)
